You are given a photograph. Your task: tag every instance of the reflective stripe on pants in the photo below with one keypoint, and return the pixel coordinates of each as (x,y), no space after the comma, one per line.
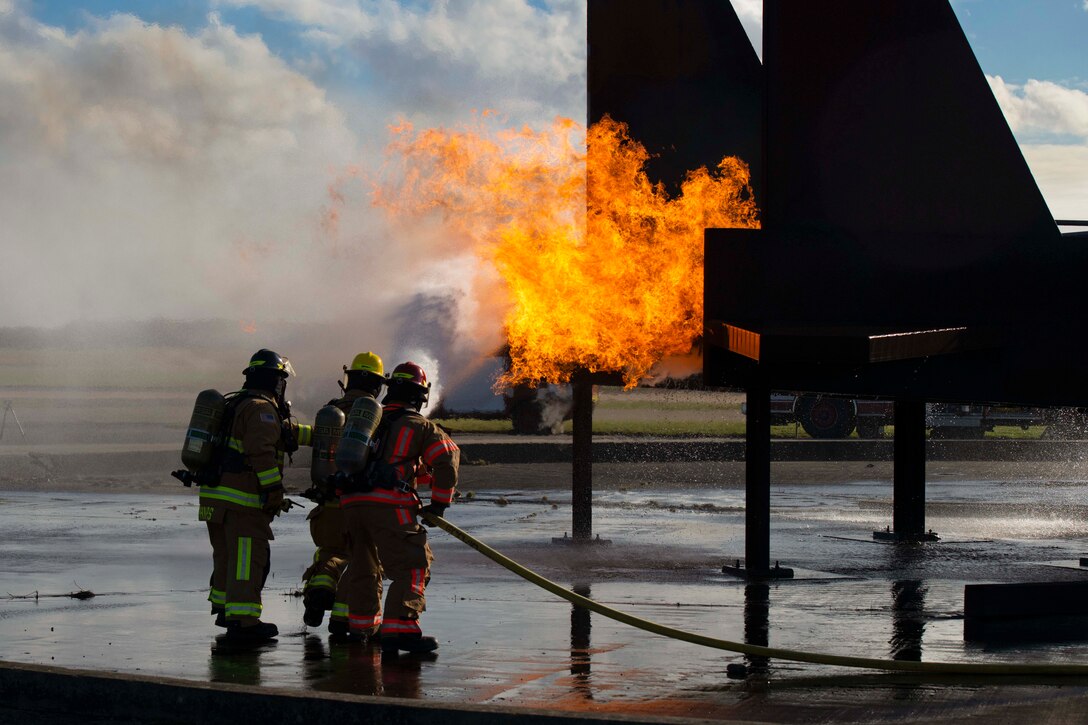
(400,544)
(240,564)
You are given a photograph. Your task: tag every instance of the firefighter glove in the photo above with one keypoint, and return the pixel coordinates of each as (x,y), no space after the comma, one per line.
(289,436)
(273,504)
(434,508)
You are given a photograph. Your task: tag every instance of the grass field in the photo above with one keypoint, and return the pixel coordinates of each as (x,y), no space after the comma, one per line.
(723,429)
(647,427)
(155,384)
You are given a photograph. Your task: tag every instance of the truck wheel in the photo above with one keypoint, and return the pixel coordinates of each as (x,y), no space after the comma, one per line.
(824,417)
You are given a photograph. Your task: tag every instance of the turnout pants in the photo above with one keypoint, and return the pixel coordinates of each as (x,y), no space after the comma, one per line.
(330,557)
(389,540)
(240,558)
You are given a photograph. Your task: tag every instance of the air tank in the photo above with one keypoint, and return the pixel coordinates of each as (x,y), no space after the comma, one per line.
(205,426)
(354,448)
(328,427)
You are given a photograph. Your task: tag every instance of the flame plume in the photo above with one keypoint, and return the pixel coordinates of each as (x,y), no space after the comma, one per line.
(602,269)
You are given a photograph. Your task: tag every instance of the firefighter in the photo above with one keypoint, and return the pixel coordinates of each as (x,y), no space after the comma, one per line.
(364,377)
(240,506)
(381,516)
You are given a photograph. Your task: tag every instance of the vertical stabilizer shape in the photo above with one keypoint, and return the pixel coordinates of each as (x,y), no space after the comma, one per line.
(883,126)
(684,76)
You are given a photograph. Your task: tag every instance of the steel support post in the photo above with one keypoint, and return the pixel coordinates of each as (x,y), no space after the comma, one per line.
(757,479)
(582,470)
(909,470)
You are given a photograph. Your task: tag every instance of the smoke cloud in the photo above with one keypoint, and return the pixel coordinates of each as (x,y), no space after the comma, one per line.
(154,172)
(157,172)
(1051,123)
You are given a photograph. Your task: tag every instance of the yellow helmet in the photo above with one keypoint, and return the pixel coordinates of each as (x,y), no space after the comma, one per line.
(367,362)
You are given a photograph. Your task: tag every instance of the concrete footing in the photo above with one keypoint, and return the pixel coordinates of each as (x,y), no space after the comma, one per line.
(887,535)
(738,569)
(578,541)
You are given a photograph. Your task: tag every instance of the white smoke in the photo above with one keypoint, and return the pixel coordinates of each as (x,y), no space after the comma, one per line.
(154,172)
(148,172)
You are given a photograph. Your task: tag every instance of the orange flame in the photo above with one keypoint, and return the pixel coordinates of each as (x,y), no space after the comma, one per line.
(609,280)
(248,327)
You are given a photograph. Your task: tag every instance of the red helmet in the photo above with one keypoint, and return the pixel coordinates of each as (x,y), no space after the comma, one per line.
(408,381)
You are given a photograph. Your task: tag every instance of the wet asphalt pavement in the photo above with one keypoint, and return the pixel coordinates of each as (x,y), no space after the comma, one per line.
(503,641)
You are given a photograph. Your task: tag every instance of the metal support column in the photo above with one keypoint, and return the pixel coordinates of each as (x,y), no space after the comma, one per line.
(581,493)
(909,473)
(757,479)
(757,489)
(582,474)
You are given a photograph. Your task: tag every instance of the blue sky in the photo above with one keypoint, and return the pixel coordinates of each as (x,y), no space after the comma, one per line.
(1044,40)
(1017,39)
(154,148)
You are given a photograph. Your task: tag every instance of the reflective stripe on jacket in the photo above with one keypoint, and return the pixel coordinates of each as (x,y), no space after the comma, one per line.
(255,433)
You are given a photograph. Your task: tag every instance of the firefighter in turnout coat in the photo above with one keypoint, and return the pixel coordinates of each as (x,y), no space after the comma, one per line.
(249,494)
(364,377)
(381,517)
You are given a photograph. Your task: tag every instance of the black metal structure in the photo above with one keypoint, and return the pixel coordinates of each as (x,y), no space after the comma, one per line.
(683,76)
(897,210)
(905,253)
(582,452)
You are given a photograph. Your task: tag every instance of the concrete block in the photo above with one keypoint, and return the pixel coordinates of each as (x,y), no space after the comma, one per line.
(1026,611)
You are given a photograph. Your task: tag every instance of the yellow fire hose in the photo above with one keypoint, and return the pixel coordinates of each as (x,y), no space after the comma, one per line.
(820,658)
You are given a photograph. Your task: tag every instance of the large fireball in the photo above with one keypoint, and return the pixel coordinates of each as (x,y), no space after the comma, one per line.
(601,268)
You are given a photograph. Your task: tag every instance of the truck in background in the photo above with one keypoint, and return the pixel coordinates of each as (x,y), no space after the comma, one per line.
(830,416)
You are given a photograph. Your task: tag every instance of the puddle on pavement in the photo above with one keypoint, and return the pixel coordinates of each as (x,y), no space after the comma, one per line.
(504,641)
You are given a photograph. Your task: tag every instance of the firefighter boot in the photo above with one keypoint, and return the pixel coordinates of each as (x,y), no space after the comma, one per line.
(413,643)
(259,632)
(341,633)
(220,617)
(317,601)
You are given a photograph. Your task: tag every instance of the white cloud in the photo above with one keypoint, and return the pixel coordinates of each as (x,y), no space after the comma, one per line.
(435,61)
(750,13)
(1062,174)
(146,171)
(1042,107)
(1051,123)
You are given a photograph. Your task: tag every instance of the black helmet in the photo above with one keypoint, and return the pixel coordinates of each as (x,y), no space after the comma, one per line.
(268,371)
(265,359)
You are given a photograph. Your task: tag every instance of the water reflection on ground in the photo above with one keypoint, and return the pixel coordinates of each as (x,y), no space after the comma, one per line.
(146,559)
